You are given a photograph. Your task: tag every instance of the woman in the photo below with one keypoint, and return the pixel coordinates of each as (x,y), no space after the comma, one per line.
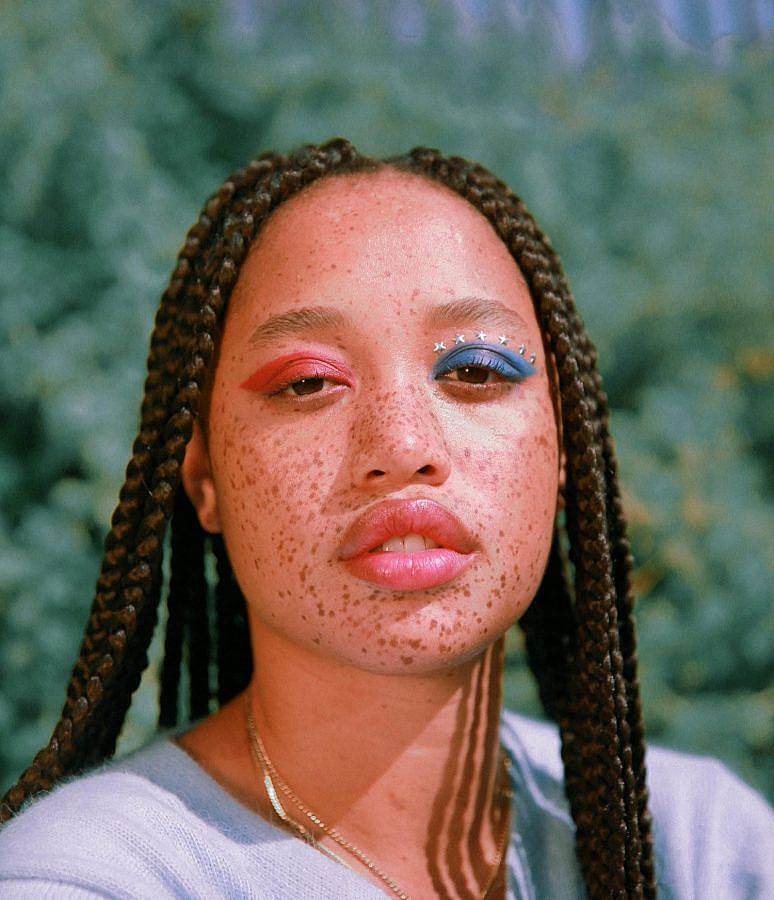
(370,392)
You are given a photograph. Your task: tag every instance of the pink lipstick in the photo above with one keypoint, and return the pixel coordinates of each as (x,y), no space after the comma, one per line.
(410,571)
(401,570)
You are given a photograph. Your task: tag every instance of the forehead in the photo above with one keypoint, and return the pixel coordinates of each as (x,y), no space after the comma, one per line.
(382,244)
(368,200)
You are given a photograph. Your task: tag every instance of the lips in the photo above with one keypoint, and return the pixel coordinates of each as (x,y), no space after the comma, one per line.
(392,518)
(408,571)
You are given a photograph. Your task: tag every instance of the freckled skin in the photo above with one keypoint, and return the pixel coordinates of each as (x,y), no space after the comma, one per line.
(283,483)
(492,462)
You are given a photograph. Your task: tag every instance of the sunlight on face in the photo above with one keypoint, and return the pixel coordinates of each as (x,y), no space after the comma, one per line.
(296,462)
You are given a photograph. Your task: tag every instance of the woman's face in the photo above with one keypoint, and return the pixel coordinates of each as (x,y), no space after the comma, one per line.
(290,470)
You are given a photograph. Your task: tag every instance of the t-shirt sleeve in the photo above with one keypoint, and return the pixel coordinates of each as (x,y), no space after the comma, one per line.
(713,833)
(43,889)
(742,837)
(103,835)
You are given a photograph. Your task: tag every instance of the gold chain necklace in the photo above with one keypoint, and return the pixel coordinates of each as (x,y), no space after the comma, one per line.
(270,776)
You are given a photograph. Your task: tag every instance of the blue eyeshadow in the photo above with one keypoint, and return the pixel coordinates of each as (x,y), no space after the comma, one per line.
(501,359)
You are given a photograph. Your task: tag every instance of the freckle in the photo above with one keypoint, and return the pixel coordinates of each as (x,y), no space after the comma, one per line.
(433,624)
(382,641)
(330,613)
(316,640)
(407,660)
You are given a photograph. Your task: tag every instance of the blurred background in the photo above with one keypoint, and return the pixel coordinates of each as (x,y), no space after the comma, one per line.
(637,133)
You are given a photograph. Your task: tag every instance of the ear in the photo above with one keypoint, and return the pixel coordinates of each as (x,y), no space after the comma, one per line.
(198,481)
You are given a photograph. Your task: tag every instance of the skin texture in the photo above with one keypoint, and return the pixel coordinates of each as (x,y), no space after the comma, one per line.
(379,707)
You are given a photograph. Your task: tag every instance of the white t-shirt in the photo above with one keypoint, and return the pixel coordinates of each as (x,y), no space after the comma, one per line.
(155,825)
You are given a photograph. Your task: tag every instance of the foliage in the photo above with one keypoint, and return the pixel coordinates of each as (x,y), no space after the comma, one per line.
(647,170)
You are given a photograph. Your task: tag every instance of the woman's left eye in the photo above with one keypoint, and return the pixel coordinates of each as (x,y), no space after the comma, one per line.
(474,374)
(474,367)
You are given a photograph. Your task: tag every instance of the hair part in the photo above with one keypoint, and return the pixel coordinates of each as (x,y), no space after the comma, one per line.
(579,631)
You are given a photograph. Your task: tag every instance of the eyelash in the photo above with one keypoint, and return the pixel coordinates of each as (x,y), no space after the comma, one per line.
(472,390)
(481,359)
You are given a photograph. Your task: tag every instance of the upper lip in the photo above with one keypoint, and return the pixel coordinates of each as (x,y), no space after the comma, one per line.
(393,518)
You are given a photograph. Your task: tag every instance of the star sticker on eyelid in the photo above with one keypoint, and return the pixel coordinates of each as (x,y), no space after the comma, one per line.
(439,346)
(503,339)
(481,335)
(460,339)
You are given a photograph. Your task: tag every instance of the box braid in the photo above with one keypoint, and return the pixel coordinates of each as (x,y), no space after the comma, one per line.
(579,631)
(600,718)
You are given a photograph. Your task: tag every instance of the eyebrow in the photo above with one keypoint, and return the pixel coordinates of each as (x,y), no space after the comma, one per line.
(322,318)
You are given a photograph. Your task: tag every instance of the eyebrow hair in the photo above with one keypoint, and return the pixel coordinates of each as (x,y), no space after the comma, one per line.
(469,309)
(321,318)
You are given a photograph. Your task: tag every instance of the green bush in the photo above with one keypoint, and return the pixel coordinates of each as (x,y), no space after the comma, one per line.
(647,170)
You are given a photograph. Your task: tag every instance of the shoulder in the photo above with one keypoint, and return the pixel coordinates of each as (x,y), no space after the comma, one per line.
(116,829)
(713,834)
(114,807)
(155,824)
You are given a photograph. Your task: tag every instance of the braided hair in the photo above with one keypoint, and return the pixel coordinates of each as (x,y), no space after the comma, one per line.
(579,631)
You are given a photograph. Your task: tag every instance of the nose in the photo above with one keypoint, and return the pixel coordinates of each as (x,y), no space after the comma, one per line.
(401,443)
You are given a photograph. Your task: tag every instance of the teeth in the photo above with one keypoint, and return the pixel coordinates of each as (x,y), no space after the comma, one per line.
(408,543)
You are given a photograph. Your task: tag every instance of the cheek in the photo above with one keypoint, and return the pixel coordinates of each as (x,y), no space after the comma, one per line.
(537,479)
(271,491)
(518,483)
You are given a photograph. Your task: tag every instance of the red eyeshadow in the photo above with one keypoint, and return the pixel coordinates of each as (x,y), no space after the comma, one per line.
(263,377)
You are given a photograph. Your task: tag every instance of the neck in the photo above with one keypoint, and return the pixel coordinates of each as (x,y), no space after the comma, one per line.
(404,767)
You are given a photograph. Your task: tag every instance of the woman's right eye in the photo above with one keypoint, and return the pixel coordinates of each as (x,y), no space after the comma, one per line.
(313,391)
(300,387)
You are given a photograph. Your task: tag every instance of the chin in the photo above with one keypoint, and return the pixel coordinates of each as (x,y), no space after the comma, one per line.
(427,658)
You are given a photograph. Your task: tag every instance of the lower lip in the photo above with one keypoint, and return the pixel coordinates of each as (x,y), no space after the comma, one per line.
(410,571)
